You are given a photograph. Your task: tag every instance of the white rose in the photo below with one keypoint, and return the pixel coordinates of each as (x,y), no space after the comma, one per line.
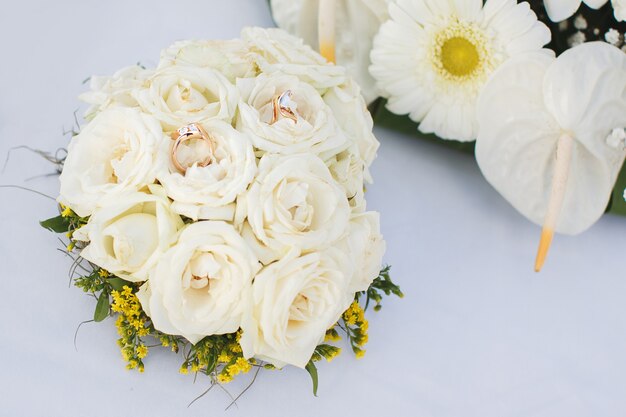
(294,301)
(294,202)
(128,234)
(231,58)
(315,130)
(356,24)
(347,169)
(210,192)
(355,121)
(117,152)
(179,95)
(200,287)
(274,50)
(366,247)
(116,90)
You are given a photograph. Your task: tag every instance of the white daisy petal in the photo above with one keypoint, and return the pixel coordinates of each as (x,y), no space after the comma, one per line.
(469,10)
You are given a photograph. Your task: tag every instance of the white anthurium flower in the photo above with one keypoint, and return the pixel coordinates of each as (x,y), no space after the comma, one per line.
(274,50)
(128,233)
(314,128)
(356,24)
(231,58)
(200,286)
(559,10)
(433,57)
(538,111)
(117,152)
(293,202)
(209,192)
(293,302)
(116,90)
(181,94)
(366,247)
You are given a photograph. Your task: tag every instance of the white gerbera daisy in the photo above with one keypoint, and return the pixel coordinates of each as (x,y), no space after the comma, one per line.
(432,58)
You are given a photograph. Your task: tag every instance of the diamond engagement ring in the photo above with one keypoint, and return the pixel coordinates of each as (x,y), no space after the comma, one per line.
(185,133)
(283,106)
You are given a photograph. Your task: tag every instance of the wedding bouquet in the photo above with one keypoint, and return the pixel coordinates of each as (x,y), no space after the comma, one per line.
(548,130)
(216,204)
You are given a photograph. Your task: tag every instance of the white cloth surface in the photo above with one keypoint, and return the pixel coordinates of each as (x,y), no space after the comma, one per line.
(479,334)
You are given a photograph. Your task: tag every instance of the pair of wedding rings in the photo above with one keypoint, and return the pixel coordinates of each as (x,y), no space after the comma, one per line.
(281,108)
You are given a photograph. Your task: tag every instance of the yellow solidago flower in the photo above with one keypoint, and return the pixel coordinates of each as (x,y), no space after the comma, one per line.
(224,377)
(332,355)
(243,365)
(357,327)
(66,211)
(332,336)
(224,357)
(142,351)
(235,348)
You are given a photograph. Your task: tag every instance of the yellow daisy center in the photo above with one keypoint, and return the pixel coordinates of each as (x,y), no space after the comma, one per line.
(459,56)
(461,53)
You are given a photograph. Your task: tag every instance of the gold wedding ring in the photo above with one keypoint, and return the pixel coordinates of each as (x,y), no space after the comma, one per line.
(281,107)
(189,132)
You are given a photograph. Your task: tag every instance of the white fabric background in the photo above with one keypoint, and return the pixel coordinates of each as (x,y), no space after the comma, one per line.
(478,333)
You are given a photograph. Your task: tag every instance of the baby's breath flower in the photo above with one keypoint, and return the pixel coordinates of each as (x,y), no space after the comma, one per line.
(612,36)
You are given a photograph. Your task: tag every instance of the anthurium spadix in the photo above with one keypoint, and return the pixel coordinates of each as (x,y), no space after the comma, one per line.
(545,135)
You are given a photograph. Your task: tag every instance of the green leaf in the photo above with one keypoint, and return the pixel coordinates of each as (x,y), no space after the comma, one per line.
(617,204)
(312,370)
(57,224)
(212,361)
(117,283)
(102,307)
